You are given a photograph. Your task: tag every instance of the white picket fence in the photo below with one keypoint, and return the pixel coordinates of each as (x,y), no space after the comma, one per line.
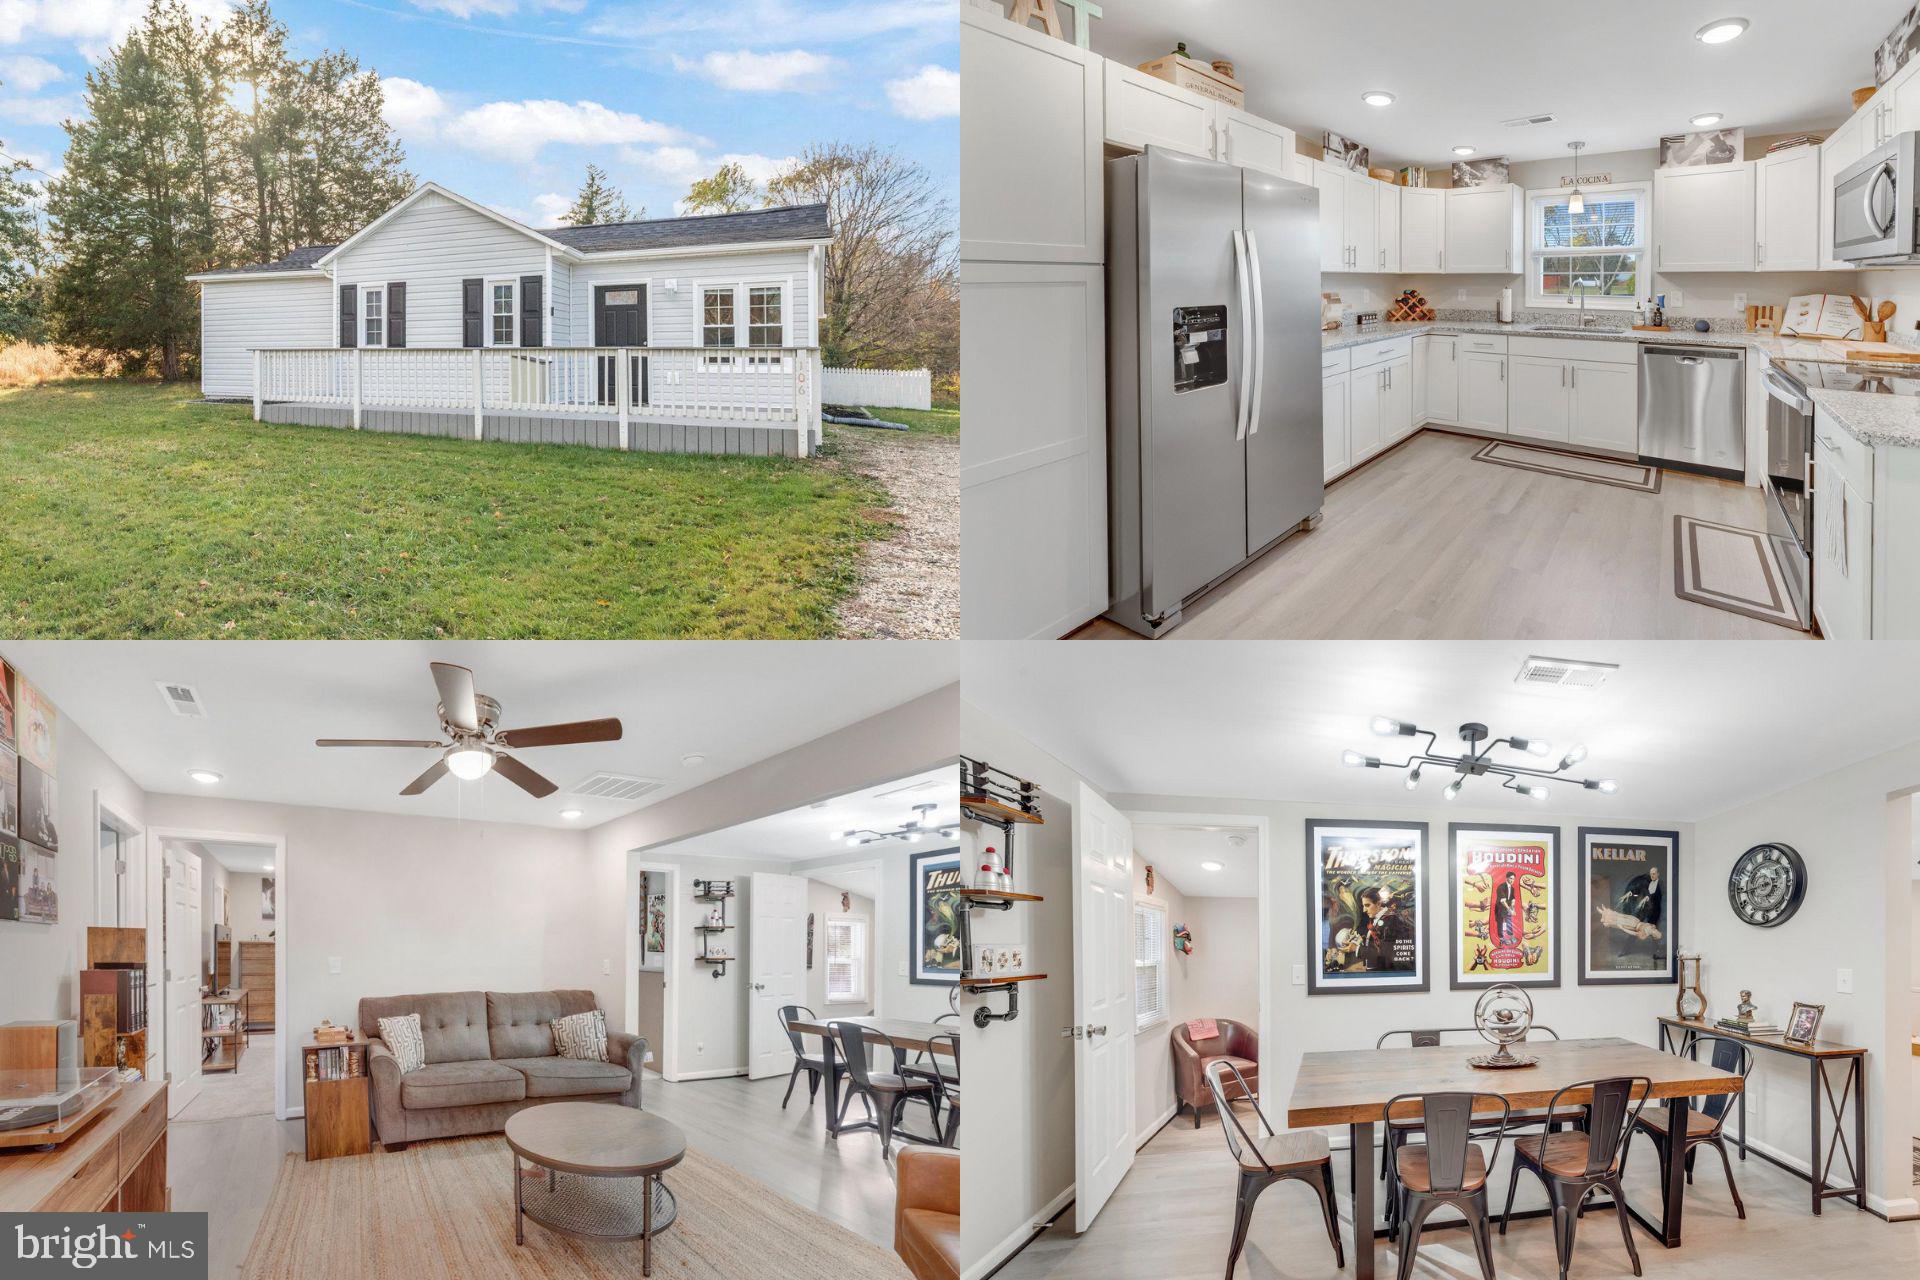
(879,388)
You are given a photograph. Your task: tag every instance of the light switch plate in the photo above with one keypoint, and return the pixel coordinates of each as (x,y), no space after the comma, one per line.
(1299,975)
(333,964)
(1843,982)
(900,970)
(606,965)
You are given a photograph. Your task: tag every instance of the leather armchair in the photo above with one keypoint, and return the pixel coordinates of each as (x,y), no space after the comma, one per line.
(1237,1042)
(926,1211)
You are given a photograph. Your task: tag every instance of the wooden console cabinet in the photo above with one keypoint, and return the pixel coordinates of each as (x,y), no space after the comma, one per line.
(117,1164)
(339,1099)
(256,975)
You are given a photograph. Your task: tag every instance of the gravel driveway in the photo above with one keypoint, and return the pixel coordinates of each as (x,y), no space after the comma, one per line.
(909,582)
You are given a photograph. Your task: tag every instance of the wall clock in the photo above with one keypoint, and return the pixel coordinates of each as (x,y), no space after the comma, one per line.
(1767,884)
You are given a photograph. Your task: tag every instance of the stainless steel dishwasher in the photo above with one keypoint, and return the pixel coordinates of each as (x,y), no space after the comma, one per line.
(1693,409)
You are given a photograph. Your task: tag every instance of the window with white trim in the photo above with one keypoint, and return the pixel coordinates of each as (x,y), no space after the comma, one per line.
(716,316)
(766,305)
(1598,254)
(1149,965)
(373,315)
(846,952)
(503,313)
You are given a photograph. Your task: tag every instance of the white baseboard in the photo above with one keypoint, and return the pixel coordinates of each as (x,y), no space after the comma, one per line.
(1895,1210)
(1154,1126)
(710,1075)
(1018,1238)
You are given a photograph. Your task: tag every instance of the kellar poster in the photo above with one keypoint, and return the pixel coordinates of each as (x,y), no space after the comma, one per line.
(1627,909)
(1366,887)
(1505,891)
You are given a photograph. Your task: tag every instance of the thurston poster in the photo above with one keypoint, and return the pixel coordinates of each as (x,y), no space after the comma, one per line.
(1366,887)
(1505,893)
(935,883)
(1627,909)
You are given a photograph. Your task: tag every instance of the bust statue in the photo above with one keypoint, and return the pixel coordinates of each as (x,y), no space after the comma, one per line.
(1743,1012)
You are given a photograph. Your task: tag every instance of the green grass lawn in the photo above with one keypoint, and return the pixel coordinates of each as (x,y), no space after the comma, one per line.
(130,511)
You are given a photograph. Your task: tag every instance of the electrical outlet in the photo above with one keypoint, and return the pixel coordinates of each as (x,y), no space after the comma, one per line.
(333,964)
(1843,982)
(1740,303)
(1675,299)
(1299,975)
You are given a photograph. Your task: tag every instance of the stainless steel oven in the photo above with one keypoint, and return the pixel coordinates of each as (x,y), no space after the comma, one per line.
(1789,495)
(1873,205)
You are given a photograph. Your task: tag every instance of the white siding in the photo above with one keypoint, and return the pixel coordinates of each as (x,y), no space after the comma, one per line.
(673,317)
(432,246)
(560,309)
(238,315)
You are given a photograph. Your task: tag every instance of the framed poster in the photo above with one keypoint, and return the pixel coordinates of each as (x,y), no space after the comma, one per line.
(266,897)
(9,793)
(38,807)
(656,924)
(1628,888)
(35,722)
(1504,882)
(934,881)
(39,900)
(6,702)
(9,879)
(1367,890)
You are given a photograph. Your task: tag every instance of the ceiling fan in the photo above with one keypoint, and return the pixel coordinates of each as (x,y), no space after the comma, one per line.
(475,745)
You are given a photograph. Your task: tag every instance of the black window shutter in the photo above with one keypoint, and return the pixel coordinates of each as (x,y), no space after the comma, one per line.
(349,316)
(397,314)
(533,311)
(471,292)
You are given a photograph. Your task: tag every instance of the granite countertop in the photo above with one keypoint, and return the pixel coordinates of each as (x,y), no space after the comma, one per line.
(1869,418)
(1771,347)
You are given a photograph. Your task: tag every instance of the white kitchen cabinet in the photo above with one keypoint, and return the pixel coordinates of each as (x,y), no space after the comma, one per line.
(1443,380)
(1786,210)
(1145,111)
(1842,148)
(1423,229)
(1396,406)
(1703,218)
(1483,391)
(1350,218)
(1842,569)
(1422,355)
(1035,189)
(1366,407)
(1335,448)
(1605,406)
(1483,229)
(1386,241)
(1363,222)
(1253,143)
(1331,183)
(1537,398)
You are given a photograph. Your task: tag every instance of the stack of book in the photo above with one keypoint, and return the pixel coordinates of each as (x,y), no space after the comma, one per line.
(1795,140)
(333,1064)
(1750,1028)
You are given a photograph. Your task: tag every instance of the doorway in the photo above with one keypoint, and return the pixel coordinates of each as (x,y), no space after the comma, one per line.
(620,320)
(650,959)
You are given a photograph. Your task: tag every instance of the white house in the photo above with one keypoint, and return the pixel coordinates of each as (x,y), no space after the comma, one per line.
(443,317)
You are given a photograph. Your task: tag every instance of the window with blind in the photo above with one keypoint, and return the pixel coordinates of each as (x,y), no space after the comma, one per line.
(1597,254)
(846,960)
(1149,965)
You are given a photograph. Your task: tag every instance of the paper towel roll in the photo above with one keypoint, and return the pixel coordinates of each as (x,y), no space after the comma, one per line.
(1506,306)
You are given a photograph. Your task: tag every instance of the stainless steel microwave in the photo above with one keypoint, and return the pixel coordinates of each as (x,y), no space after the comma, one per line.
(1873,205)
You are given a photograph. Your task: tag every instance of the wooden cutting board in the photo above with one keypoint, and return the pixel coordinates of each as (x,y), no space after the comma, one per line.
(1884,355)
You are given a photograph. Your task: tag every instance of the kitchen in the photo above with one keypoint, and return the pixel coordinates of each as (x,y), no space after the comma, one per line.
(1491,449)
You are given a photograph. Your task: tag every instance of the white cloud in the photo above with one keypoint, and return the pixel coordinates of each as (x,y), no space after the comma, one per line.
(680,165)
(520,131)
(496,8)
(44,111)
(931,93)
(762,22)
(92,25)
(28,74)
(413,109)
(550,208)
(745,71)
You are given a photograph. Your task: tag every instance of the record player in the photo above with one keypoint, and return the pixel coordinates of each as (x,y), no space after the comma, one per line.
(45,1106)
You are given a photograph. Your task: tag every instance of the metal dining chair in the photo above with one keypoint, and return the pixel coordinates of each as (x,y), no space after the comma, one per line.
(816,1068)
(1573,1165)
(1300,1154)
(1707,1122)
(947,1081)
(1446,1168)
(927,1065)
(883,1093)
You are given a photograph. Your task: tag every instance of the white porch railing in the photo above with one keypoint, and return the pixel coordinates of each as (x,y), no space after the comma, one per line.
(730,386)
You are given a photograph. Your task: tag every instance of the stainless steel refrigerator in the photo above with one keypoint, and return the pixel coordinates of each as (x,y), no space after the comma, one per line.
(1213,369)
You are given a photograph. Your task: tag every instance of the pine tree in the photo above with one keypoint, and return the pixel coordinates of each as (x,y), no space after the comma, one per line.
(599,201)
(253,51)
(344,166)
(20,278)
(729,190)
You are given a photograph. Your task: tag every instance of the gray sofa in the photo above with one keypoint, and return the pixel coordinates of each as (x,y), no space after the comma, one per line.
(489,1054)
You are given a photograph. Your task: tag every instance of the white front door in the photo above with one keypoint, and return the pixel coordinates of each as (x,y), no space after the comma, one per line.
(1102,1003)
(776,965)
(182,977)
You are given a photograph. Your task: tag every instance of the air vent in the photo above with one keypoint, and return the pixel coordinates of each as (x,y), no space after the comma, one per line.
(183,700)
(1527,122)
(925,784)
(615,786)
(1563,673)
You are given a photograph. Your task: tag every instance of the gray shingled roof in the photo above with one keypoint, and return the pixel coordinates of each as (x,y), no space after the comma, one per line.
(299,260)
(792,222)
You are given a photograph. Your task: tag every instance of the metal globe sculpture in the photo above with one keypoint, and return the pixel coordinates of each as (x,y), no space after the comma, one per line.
(1503,1016)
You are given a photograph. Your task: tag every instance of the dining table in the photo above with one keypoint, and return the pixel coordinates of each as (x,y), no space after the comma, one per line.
(1353,1087)
(906,1035)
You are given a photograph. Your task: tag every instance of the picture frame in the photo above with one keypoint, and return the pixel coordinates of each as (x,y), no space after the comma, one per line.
(656,938)
(1707,146)
(6,702)
(1511,934)
(1803,1024)
(1487,171)
(266,898)
(1627,896)
(9,792)
(1344,151)
(1897,48)
(1363,936)
(934,881)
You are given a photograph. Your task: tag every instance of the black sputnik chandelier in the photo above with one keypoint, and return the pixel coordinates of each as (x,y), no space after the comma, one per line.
(1477,761)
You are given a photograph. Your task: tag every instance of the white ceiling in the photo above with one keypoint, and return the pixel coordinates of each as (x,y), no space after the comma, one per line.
(863,879)
(734,703)
(1175,853)
(814,831)
(1618,75)
(249,859)
(1688,729)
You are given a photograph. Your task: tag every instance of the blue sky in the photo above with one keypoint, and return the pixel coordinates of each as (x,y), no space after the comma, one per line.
(506,101)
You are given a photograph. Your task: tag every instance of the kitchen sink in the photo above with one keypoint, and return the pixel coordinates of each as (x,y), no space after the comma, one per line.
(1570,328)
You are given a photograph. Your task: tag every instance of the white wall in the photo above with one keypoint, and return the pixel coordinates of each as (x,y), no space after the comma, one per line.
(237,316)
(900,996)
(243,908)
(1153,1084)
(1901,285)
(213,881)
(1221,979)
(823,903)
(673,316)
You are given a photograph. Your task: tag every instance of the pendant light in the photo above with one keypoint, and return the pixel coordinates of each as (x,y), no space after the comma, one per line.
(1577,202)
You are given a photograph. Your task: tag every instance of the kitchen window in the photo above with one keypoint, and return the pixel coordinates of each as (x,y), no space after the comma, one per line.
(1149,965)
(373,315)
(846,969)
(1598,255)
(504,316)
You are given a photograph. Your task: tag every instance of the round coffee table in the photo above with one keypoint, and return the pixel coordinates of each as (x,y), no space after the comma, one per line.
(596,1172)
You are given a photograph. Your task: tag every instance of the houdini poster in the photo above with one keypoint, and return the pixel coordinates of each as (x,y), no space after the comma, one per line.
(1503,907)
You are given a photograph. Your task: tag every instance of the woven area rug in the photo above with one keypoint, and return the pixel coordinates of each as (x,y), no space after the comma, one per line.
(444,1209)
(1729,568)
(1574,466)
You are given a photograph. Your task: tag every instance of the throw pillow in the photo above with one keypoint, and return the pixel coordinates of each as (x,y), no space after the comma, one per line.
(581,1035)
(403,1037)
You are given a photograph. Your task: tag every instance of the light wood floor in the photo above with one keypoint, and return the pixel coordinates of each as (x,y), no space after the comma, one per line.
(227,1168)
(1426,543)
(1172,1218)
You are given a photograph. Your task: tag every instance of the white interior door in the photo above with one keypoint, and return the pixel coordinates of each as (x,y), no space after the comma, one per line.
(1102,1003)
(182,976)
(776,963)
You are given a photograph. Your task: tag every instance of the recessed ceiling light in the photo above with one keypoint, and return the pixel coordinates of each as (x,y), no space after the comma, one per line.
(269,866)
(1463,151)
(570,814)
(1213,866)
(692,759)
(1377,98)
(1721,30)
(1707,121)
(205,777)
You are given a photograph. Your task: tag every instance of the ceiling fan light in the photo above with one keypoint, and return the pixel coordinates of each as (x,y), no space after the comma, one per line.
(469,763)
